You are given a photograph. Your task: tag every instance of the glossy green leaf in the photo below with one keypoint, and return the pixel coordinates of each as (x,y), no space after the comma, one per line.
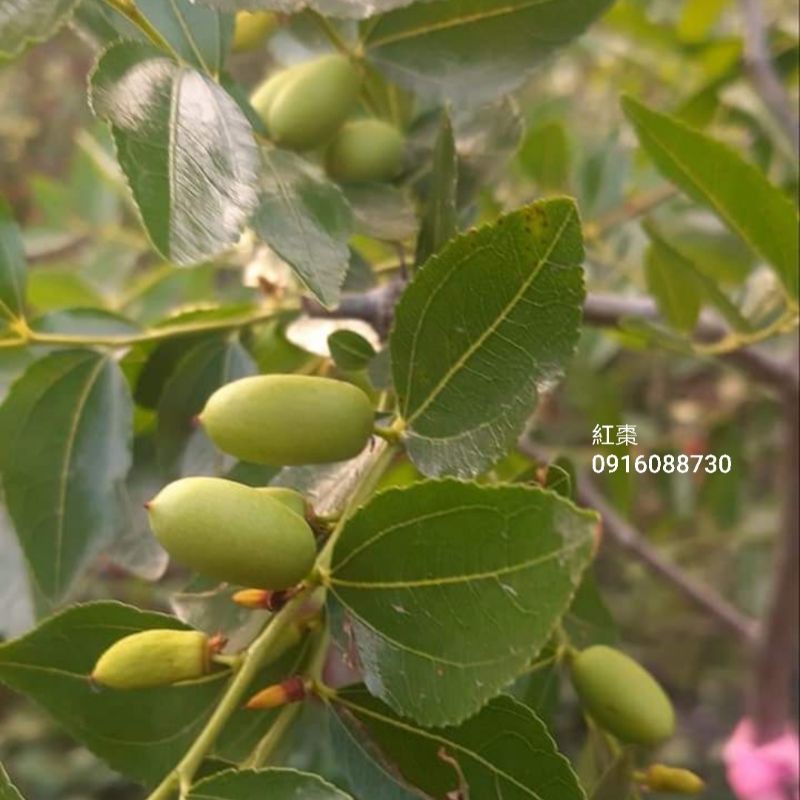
(350,350)
(488,321)
(715,175)
(439,218)
(141,733)
(23,22)
(199,373)
(452,588)
(13,270)
(187,150)
(7,789)
(306,219)
(197,34)
(451,49)
(276,784)
(65,430)
(503,753)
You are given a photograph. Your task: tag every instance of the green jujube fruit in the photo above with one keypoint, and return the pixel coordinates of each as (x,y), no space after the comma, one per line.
(289,497)
(622,697)
(233,533)
(153,658)
(262,97)
(313,102)
(286,420)
(252,29)
(365,150)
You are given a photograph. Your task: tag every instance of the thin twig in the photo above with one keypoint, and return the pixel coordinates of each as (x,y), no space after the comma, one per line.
(761,70)
(776,656)
(377,308)
(636,206)
(782,376)
(625,535)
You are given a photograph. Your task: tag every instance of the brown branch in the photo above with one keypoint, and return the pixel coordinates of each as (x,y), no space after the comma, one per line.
(377,308)
(623,534)
(781,376)
(776,655)
(761,70)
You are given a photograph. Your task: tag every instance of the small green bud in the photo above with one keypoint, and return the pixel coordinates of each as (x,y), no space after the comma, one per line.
(661,778)
(153,658)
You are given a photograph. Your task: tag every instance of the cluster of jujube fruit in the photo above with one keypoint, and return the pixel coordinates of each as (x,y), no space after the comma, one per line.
(310,107)
(262,537)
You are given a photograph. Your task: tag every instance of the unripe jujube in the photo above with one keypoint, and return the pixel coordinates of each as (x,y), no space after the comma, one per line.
(289,497)
(365,150)
(289,419)
(312,103)
(153,658)
(233,533)
(262,97)
(622,697)
(252,29)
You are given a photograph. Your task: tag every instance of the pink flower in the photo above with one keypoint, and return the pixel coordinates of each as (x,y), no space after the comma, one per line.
(769,771)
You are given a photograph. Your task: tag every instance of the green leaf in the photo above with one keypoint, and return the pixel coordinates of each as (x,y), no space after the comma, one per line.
(713,174)
(275,783)
(306,219)
(545,156)
(141,733)
(452,588)
(451,49)
(13,271)
(17,613)
(674,273)
(350,350)
(439,219)
(381,211)
(200,372)
(488,321)
(330,8)
(674,285)
(197,35)
(65,428)
(7,789)
(503,753)
(85,322)
(588,620)
(58,288)
(185,146)
(25,21)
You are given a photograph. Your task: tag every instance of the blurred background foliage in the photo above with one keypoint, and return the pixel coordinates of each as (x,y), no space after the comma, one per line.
(563,132)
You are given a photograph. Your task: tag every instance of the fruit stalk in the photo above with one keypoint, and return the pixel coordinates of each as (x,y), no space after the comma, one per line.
(258,654)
